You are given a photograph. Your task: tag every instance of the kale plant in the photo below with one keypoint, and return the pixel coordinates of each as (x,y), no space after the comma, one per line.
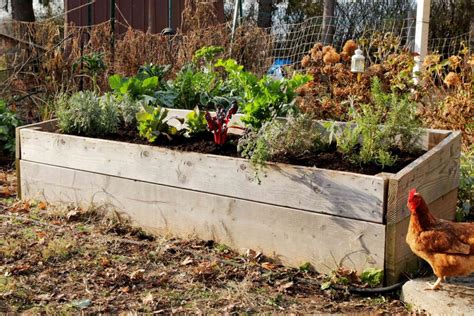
(85,113)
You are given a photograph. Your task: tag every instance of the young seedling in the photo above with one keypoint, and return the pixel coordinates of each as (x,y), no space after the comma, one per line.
(218,124)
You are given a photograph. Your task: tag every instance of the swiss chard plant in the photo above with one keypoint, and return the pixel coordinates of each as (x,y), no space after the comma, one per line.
(153,122)
(218,124)
(8,124)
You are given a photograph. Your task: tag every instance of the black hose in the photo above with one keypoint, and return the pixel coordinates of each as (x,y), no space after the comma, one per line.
(359,290)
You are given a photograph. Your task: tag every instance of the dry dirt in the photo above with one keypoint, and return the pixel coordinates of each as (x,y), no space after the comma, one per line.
(63,259)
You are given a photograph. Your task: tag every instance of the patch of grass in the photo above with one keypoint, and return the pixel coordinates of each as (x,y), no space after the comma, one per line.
(222,248)
(60,249)
(9,247)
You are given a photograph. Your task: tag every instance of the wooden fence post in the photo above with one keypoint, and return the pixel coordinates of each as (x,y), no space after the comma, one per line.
(421,34)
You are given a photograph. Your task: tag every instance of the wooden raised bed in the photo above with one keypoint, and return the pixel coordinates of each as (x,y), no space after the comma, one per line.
(296,215)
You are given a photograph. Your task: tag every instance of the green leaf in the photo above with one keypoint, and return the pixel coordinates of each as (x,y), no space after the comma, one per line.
(326,285)
(115,82)
(150,83)
(372,276)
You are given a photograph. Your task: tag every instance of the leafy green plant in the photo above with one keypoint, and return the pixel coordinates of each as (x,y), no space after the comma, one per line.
(372,276)
(153,122)
(151,70)
(85,113)
(196,122)
(293,138)
(365,139)
(263,98)
(146,86)
(8,123)
(207,54)
(91,65)
(465,207)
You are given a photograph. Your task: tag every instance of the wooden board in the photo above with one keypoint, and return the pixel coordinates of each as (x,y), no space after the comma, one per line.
(399,257)
(324,191)
(291,236)
(433,175)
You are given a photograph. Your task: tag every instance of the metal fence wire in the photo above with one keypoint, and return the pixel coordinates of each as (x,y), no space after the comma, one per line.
(256,48)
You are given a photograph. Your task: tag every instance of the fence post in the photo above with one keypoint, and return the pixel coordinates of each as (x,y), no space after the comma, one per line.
(421,34)
(112,30)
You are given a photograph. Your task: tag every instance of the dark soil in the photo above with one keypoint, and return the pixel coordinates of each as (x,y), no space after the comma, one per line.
(330,159)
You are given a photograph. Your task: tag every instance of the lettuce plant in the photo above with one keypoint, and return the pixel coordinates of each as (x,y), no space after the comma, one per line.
(218,124)
(153,122)
(196,122)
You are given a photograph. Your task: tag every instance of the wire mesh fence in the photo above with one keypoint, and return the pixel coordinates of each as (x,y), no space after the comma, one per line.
(41,54)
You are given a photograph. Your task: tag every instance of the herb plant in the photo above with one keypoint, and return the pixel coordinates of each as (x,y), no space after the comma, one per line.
(85,113)
(296,137)
(218,124)
(196,122)
(365,139)
(8,123)
(153,122)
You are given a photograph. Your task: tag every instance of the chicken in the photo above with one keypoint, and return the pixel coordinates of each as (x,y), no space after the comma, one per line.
(447,246)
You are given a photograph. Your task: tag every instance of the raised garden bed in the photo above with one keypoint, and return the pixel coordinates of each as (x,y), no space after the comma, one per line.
(296,214)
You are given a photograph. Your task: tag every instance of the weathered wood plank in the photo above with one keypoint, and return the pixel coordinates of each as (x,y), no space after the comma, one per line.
(398,256)
(338,193)
(433,175)
(291,236)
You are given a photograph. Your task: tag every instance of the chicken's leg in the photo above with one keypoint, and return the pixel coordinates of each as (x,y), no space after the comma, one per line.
(436,285)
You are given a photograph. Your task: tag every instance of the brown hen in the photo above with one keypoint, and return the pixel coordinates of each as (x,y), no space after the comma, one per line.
(447,246)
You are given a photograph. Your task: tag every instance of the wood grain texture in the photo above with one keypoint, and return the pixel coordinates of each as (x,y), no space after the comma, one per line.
(433,175)
(324,191)
(291,236)
(399,257)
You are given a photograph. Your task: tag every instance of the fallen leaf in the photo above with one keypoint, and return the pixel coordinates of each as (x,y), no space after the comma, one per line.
(137,275)
(72,215)
(20,269)
(104,261)
(81,304)
(268,266)
(285,286)
(40,234)
(125,289)
(187,261)
(42,205)
(148,299)
(43,297)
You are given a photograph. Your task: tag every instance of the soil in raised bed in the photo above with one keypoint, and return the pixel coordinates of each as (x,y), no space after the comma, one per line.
(330,159)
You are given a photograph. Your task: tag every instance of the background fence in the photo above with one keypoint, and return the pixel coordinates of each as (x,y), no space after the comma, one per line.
(36,59)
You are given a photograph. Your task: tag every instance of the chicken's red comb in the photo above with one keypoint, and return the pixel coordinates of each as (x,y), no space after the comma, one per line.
(411,195)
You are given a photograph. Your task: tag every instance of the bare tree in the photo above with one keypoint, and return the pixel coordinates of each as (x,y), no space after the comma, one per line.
(22,10)
(265,13)
(328,21)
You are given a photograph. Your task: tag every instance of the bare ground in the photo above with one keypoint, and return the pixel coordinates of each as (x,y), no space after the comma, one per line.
(63,259)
